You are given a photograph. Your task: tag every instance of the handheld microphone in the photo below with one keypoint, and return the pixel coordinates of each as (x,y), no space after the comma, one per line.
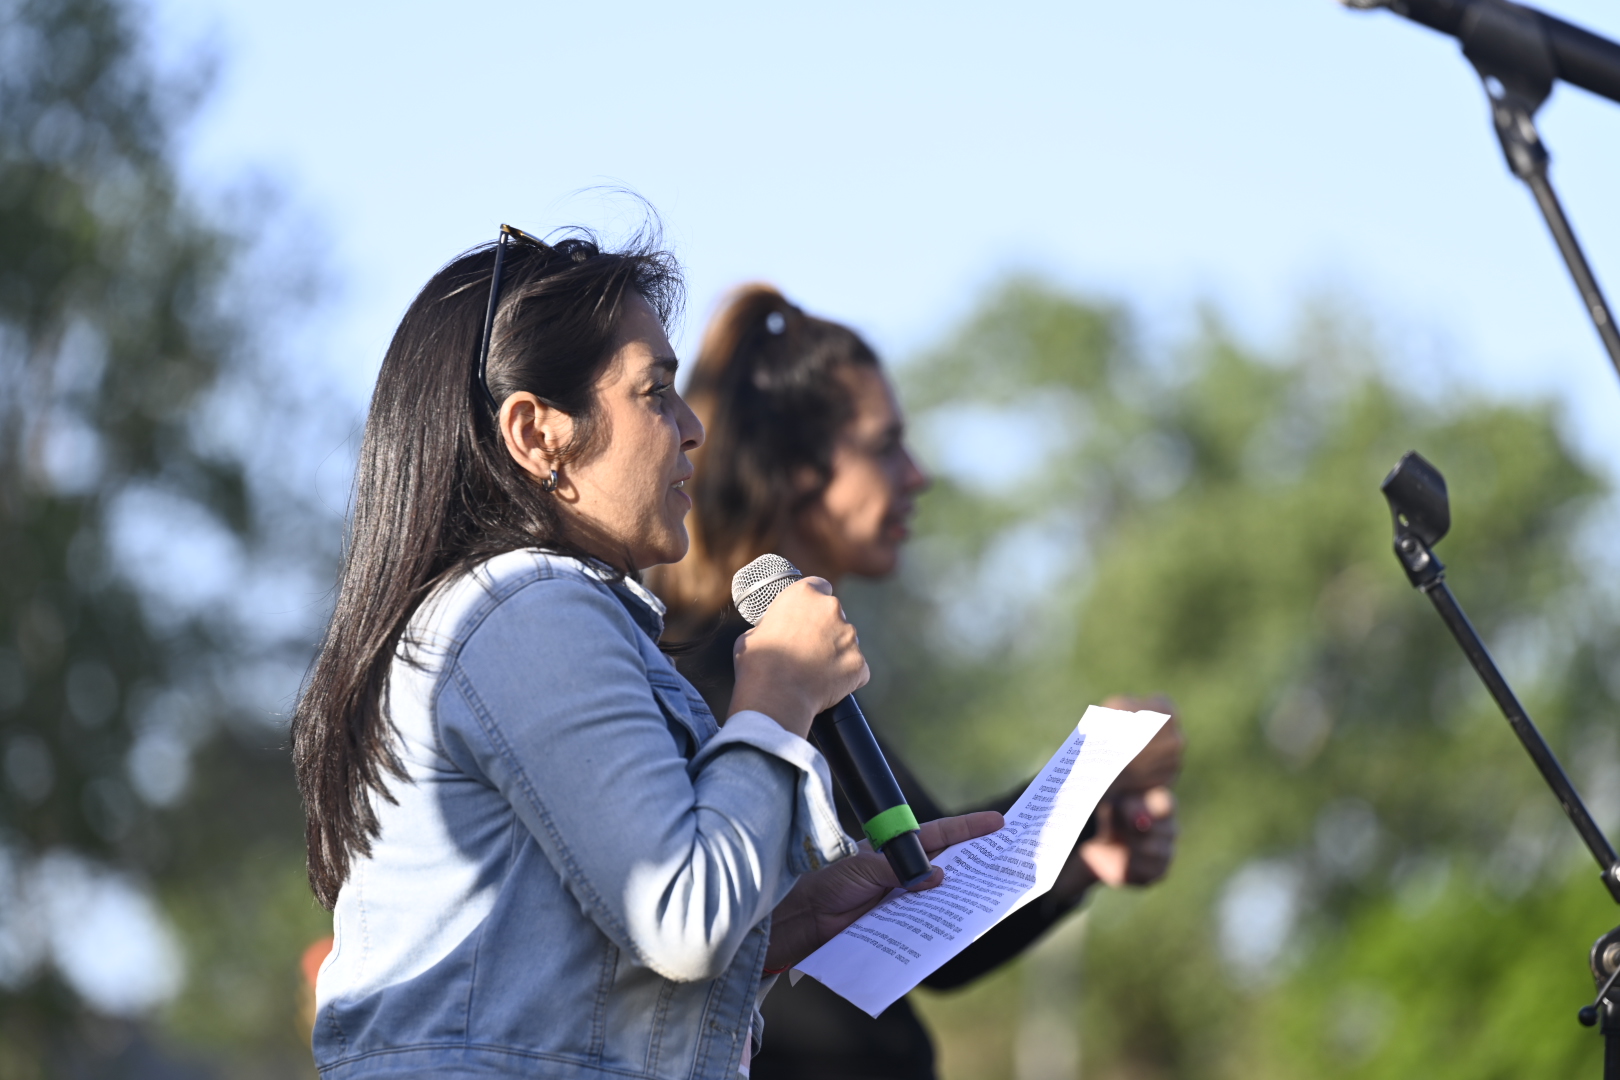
(844,739)
(1500,34)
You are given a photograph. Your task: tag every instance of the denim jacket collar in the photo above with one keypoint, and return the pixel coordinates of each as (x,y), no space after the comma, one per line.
(645,608)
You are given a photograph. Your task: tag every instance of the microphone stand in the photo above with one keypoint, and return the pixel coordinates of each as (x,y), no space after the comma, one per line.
(1519,53)
(1418,502)
(1512,48)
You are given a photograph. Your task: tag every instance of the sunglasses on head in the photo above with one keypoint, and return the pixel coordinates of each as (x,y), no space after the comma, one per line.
(509,234)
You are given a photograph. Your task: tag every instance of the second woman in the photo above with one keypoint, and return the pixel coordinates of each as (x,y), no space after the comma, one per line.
(807,457)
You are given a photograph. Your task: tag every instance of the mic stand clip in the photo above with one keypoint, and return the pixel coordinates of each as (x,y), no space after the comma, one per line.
(1604,1012)
(1508,46)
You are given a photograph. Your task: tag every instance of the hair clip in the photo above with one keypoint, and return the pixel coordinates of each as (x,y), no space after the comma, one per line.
(776,322)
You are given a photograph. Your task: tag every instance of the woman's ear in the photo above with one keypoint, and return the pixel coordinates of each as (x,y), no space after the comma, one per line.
(535,433)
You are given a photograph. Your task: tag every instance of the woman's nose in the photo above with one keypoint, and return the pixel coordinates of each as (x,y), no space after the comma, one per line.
(690,427)
(913,479)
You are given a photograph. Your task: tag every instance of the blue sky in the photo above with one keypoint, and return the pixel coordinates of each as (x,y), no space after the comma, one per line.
(883,163)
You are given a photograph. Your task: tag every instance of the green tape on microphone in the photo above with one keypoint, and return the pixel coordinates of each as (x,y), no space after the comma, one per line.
(890,824)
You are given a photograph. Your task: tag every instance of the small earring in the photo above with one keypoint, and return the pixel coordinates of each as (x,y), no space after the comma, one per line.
(549,484)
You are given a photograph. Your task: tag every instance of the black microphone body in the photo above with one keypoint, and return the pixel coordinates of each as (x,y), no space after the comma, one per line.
(844,739)
(1503,33)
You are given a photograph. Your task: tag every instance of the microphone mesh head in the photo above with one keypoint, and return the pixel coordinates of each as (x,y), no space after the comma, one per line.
(757,584)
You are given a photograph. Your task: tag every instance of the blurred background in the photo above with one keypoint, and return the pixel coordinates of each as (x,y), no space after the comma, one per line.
(1168,288)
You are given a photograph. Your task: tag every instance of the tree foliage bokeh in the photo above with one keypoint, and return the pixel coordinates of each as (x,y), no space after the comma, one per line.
(1372,879)
(158,579)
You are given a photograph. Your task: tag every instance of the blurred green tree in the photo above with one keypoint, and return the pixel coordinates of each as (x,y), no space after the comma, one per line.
(1372,880)
(151,569)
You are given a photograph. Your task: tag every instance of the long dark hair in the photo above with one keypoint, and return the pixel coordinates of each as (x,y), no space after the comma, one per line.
(765,386)
(436,491)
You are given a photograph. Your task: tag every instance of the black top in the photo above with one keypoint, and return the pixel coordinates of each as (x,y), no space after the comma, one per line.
(811,1032)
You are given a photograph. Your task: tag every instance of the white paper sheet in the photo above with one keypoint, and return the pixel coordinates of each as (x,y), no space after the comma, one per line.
(909,936)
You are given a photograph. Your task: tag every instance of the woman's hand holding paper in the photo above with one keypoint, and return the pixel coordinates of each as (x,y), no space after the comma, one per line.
(823,903)
(1136,837)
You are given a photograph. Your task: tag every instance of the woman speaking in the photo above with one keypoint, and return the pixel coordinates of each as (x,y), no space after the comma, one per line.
(807,457)
(543,855)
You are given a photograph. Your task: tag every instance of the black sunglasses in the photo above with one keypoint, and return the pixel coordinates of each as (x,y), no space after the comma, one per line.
(509,234)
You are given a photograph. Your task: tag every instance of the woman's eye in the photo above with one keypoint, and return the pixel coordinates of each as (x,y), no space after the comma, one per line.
(661,388)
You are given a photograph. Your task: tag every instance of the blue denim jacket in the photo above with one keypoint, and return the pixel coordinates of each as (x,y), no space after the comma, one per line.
(576,879)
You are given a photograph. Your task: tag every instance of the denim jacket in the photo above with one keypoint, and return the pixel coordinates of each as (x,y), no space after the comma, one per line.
(576,877)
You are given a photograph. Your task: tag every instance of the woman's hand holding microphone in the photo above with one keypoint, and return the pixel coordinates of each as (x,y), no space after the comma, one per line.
(801,659)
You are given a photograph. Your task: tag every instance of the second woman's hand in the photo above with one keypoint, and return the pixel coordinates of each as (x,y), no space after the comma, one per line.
(803,658)
(1136,837)
(823,903)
